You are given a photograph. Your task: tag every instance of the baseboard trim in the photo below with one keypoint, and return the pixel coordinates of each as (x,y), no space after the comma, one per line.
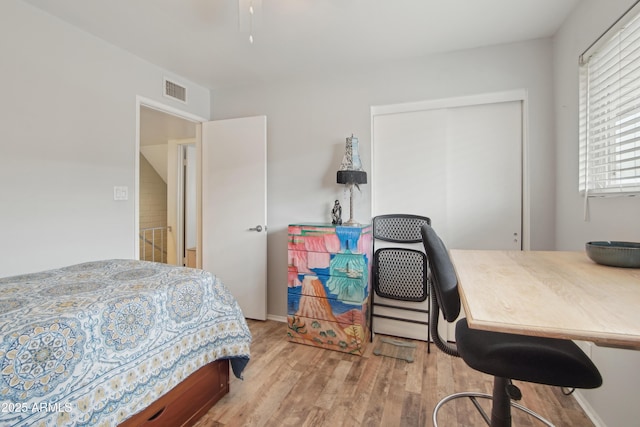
(588,409)
(282,319)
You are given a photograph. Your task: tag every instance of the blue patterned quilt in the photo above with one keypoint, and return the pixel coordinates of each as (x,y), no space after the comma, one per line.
(95,343)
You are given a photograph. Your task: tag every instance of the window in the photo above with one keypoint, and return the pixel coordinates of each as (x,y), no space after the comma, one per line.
(610,111)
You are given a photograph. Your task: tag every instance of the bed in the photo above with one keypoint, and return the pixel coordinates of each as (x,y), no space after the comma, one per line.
(116,342)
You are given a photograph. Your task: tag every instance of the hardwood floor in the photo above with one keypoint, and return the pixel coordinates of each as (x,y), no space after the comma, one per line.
(288,384)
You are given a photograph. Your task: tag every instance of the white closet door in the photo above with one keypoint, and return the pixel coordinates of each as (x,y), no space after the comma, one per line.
(410,152)
(484,177)
(461,167)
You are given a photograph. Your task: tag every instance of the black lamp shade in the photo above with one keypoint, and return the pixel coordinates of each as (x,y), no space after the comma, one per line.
(352,177)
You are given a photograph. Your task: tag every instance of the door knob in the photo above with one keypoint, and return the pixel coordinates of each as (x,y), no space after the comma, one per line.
(257,228)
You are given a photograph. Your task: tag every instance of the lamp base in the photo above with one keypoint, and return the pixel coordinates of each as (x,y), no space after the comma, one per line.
(351,222)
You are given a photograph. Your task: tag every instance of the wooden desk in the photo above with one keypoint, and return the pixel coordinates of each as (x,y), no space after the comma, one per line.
(555,294)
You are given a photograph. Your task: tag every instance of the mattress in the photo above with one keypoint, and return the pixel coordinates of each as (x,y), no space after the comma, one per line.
(95,343)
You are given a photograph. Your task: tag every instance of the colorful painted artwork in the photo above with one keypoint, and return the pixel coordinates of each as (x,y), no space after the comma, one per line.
(329,286)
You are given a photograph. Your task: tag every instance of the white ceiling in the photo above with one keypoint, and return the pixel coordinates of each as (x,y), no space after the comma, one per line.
(204,41)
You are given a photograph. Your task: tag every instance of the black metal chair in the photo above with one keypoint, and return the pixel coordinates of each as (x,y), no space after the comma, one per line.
(400,273)
(506,356)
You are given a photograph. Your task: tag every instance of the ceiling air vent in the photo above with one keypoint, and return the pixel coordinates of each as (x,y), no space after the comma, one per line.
(175,91)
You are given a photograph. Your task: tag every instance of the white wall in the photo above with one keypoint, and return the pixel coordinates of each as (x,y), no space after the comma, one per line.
(308,119)
(616,402)
(67,137)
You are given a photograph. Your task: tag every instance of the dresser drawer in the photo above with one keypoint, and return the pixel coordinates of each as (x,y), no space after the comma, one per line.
(347,290)
(335,239)
(327,334)
(345,265)
(325,308)
(188,401)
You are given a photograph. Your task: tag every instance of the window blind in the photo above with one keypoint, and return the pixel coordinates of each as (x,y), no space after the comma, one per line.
(610,112)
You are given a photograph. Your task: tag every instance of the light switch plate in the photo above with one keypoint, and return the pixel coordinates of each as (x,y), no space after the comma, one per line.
(120,193)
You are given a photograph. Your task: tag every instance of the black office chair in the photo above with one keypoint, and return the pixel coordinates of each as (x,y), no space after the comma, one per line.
(400,273)
(506,356)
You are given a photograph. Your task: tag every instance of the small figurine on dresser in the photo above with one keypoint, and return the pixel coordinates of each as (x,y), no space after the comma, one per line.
(336,214)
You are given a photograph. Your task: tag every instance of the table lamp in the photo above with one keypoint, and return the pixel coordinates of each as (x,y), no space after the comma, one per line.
(351,173)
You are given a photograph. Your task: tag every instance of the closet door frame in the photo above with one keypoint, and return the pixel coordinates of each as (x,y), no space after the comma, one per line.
(520,95)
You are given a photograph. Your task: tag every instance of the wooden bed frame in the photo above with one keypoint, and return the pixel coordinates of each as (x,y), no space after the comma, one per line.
(187,402)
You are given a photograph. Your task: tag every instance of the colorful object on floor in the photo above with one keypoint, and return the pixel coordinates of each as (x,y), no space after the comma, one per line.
(329,286)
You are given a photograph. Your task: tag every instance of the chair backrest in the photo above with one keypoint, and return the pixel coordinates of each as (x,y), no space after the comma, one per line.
(399,228)
(443,276)
(400,274)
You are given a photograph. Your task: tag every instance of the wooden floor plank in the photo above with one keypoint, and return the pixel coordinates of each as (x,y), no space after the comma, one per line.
(287,384)
(396,395)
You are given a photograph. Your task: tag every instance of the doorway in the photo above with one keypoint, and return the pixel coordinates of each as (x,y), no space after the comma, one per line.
(165,193)
(181,201)
(235,151)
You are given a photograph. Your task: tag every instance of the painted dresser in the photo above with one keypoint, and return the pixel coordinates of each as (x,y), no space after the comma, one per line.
(329,285)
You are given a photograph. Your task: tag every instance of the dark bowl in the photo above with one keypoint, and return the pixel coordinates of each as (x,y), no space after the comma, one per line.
(614,254)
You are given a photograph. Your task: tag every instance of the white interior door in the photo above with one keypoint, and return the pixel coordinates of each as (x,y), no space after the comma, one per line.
(234,208)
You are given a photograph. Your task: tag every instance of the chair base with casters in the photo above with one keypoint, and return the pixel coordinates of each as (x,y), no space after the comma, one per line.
(503,415)
(505,356)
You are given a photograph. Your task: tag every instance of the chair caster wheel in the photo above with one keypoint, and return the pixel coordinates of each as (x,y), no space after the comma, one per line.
(513,392)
